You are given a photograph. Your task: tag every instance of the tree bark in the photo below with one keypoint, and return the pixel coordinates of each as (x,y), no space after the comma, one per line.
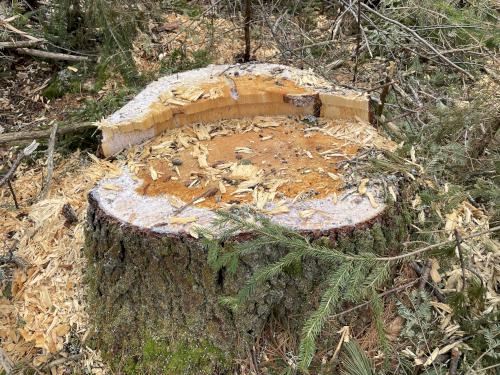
(148,287)
(248,20)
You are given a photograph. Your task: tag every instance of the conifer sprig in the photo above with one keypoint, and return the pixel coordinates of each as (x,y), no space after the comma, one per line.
(352,277)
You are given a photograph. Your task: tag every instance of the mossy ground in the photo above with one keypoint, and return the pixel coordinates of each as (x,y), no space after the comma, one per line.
(159,357)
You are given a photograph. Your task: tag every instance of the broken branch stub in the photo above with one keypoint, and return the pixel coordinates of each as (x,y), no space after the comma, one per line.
(263,138)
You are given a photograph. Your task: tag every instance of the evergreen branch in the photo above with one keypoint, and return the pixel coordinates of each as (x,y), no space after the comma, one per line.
(352,271)
(376,277)
(355,278)
(377,310)
(316,321)
(276,233)
(261,276)
(435,246)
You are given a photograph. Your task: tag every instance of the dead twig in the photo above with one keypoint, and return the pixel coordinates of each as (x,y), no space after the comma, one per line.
(28,150)
(50,163)
(358,42)
(20,43)
(424,277)
(455,357)
(63,360)
(50,55)
(16,204)
(458,239)
(386,87)
(419,38)
(38,134)
(361,305)
(8,26)
(430,284)
(208,193)
(434,246)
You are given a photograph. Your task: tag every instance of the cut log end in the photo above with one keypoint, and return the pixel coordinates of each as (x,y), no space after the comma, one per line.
(119,199)
(279,167)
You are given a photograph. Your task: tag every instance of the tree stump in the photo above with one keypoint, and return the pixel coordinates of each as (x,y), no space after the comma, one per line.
(153,294)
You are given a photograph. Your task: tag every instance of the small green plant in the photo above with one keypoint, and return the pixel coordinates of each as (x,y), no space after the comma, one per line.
(355,361)
(179,61)
(94,110)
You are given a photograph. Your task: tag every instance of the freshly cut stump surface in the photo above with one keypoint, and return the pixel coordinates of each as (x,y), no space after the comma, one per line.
(262,138)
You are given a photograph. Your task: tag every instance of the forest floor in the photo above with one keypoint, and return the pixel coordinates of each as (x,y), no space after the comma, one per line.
(43,317)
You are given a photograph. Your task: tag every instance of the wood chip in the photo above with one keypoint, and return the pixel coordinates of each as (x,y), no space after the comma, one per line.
(306,214)
(221,187)
(333,176)
(372,200)
(244,172)
(182,220)
(112,187)
(278,210)
(243,150)
(362,186)
(153,173)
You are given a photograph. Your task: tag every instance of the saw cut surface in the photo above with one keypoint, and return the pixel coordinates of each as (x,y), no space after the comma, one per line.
(221,92)
(291,169)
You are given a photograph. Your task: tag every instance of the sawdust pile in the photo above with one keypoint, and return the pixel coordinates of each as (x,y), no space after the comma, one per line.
(43,315)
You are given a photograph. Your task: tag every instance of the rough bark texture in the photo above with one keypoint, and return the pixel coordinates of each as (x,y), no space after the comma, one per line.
(155,298)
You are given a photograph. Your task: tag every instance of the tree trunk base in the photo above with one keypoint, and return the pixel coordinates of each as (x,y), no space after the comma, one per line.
(154,299)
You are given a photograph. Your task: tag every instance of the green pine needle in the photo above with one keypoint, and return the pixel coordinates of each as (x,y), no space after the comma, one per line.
(355,361)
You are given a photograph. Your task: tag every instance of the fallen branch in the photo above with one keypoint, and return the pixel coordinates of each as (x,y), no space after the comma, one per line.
(393,290)
(38,134)
(28,150)
(8,26)
(50,55)
(50,163)
(419,38)
(21,43)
